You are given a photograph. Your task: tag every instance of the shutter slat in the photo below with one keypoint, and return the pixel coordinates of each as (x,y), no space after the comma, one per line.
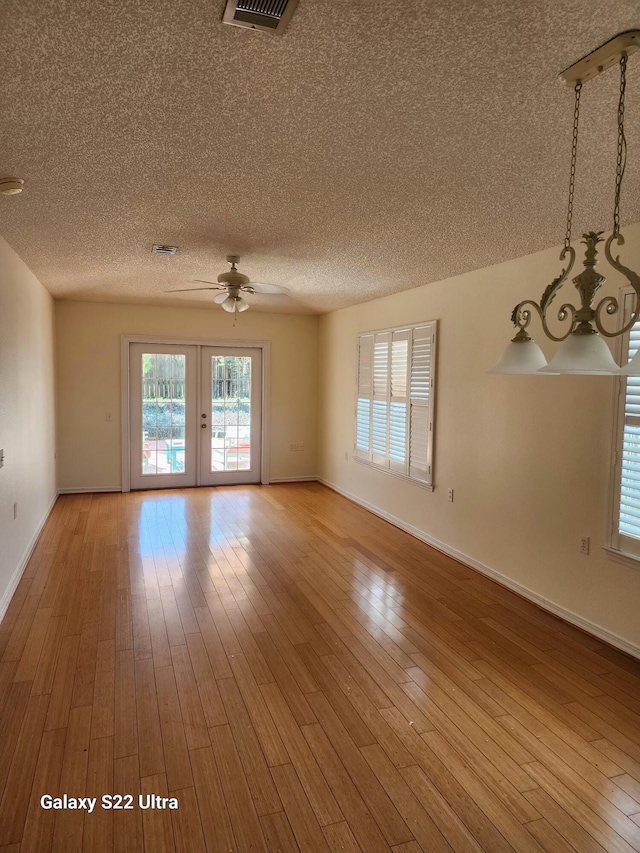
(398,432)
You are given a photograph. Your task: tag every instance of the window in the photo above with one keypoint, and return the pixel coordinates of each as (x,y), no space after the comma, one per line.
(626,528)
(394,413)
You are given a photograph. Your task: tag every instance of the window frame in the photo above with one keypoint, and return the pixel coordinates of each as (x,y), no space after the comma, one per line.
(617,541)
(390,466)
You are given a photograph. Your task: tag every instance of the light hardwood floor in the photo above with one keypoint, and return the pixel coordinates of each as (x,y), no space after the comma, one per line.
(299,675)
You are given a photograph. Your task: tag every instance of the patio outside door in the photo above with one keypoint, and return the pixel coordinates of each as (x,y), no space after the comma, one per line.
(162,411)
(230,415)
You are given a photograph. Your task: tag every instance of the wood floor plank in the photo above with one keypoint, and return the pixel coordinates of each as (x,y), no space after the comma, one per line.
(606,823)
(150,747)
(62,688)
(210,698)
(39,822)
(174,742)
(278,833)
(156,823)
(214,815)
(264,726)
(244,820)
(351,803)
(68,831)
(16,798)
(340,838)
(13,709)
(187,828)
(315,786)
(579,775)
(415,816)
(259,780)
(285,679)
(103,716)
(500,815)
(98,826)
(127,823)
(305,827)
(383,810)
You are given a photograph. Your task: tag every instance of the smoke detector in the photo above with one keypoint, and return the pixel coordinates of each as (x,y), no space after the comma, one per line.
(11,186)
(164,250)
(269,16)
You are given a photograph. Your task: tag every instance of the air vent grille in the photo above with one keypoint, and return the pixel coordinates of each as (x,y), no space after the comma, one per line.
(271,16)
(164,250)
(272,8)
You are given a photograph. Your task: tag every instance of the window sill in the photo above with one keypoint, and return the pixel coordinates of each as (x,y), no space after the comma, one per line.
(629,560)
(429,486)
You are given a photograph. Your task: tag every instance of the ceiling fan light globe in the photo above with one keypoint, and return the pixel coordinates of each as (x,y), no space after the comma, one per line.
(229,304)
(241,304)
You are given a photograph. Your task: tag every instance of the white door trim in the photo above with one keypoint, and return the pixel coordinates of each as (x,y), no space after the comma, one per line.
(126,340)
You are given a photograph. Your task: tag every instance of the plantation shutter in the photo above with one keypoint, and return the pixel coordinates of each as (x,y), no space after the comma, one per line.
(394,409)
(420,401)
(629,522)
(365,395)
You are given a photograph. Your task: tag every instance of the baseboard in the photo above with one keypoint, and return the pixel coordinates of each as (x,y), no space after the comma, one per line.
(87,490)
(293,480)
(15,578)
(567,615)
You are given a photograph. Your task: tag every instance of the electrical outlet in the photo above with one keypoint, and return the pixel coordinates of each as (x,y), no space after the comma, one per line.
(108,418)
(301,446)
(450,495)
(15,510)
(584,545)
(293,446)
(1,458)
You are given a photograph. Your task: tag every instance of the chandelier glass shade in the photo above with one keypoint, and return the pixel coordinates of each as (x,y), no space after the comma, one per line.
(520,356)
(583,349)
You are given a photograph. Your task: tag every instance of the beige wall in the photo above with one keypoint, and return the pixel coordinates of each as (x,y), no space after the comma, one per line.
(27,417)
(88,381)
(529,457)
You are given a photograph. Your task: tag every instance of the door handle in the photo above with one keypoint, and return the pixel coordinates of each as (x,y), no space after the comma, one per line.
(203,426)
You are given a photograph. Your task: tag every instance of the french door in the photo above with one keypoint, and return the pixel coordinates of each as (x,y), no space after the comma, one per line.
(230,415)
(194,415)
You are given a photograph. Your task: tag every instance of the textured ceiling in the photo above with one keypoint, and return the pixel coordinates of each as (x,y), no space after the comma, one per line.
(379,145)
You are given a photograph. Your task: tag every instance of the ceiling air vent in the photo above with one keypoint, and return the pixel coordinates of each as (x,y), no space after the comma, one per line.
(164,250)
(270,16)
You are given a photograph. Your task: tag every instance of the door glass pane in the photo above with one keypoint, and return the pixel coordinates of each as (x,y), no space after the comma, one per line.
(163,413)
(230,413)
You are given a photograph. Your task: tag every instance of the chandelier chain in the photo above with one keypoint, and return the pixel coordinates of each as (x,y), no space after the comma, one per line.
(572,171)
(621,159)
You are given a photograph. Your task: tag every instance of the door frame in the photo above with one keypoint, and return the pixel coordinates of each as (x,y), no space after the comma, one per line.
(126,340)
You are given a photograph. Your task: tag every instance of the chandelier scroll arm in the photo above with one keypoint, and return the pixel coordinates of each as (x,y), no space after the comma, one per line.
(552,289)
(610,304)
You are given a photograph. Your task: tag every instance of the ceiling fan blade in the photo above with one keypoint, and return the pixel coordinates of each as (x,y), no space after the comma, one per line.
(265,298)
(212,283)
(268,288)
(190,289)
(221,297)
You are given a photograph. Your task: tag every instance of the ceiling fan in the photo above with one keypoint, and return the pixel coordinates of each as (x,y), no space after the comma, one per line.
(233,284)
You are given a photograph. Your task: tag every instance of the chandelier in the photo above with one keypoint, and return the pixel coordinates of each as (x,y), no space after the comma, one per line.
(582,349)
